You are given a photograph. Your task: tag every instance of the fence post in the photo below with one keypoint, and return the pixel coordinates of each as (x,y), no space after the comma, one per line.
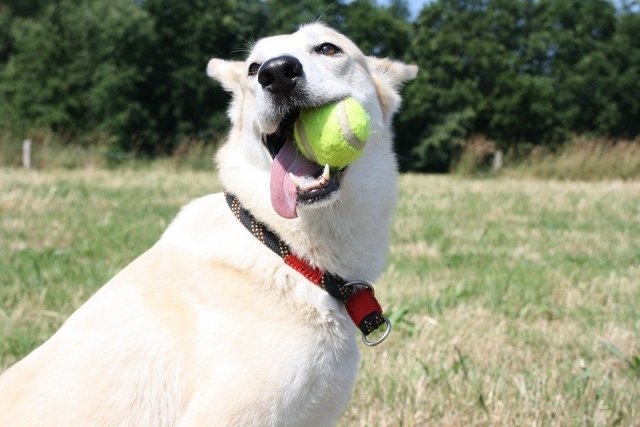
(26,154)
(497,160)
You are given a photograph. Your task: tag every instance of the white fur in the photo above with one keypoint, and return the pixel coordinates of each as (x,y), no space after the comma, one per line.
(209,327)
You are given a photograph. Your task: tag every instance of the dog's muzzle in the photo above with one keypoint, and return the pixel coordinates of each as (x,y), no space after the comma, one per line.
(295,180)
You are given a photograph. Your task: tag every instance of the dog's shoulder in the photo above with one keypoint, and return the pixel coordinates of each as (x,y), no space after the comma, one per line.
(204,216)
(206,229)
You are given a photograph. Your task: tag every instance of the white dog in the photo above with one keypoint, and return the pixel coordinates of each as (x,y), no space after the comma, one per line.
(218,324)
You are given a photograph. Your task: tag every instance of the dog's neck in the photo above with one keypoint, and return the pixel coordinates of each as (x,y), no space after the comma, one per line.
(357,296)
(351,236)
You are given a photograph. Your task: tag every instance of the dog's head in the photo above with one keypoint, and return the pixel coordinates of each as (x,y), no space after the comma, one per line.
(282,75)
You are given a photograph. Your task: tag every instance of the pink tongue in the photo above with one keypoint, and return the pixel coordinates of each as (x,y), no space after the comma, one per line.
(284,195)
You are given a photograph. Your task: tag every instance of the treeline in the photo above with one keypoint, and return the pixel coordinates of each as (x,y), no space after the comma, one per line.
(130,73)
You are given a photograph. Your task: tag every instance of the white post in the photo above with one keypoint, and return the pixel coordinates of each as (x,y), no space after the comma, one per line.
(497,160)
(26,154)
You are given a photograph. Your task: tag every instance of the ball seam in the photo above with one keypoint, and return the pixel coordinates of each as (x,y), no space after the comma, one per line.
(345,127)
(302,134)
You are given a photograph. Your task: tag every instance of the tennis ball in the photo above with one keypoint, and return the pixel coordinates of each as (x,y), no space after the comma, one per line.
(333,134)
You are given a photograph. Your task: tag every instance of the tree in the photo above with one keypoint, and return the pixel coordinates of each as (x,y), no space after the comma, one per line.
(626,51)
(136,73)
(520,72)
(375,29)
(583,69)
(286,16)
(178,95)
(460,48)
(10,10)
(75,68)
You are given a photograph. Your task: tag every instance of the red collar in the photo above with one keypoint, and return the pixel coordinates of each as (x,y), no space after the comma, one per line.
(357,296)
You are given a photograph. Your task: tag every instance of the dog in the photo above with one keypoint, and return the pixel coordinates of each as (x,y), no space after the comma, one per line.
(220,322)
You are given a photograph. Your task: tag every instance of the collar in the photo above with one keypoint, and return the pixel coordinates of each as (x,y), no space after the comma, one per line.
(357,296)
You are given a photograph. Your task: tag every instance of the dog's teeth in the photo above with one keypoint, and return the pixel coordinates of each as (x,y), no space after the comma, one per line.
(295,179)
(309,185)
(326,174)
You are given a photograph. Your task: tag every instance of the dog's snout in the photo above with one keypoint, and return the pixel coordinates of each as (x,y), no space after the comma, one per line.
(280,75)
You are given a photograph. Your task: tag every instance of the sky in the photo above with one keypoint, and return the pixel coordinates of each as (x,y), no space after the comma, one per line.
(416,5)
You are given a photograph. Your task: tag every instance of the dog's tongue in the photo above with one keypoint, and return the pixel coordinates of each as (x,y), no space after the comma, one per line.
(284,194)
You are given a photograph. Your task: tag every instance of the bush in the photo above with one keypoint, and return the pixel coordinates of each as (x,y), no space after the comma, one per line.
(477,156)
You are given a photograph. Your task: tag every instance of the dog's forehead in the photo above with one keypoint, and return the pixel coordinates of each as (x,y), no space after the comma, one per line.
(304,39)
(275,44)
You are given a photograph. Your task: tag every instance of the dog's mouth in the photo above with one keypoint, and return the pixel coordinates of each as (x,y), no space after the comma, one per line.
(296,180)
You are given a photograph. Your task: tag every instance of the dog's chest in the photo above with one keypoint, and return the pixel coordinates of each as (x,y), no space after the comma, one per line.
(281,374)
(278,359)
(316,388)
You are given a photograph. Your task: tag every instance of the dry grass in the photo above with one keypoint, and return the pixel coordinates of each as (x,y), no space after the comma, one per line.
(580,159)
(476,157)
(515,302)
(51,151)
(584,159)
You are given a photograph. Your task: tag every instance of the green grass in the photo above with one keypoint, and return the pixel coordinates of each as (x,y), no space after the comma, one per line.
(515,301)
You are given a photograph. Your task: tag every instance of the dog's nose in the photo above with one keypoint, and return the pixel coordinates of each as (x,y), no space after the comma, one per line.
(280,75)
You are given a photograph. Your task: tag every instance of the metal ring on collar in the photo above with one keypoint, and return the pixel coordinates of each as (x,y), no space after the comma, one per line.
(382,338)
(362,283)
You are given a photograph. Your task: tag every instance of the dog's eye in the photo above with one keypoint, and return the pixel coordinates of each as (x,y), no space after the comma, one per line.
(253,69)
(327,49)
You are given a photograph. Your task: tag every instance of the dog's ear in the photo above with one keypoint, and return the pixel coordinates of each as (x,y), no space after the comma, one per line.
(227,73)
(388,77)
(393,72)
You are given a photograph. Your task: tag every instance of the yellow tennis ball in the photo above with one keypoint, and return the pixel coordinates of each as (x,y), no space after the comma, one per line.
(334,134)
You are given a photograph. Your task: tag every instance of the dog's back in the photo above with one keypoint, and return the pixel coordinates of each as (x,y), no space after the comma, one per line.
(183,335)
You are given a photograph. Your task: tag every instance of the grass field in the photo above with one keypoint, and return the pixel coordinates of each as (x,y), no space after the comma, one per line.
(516,302)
